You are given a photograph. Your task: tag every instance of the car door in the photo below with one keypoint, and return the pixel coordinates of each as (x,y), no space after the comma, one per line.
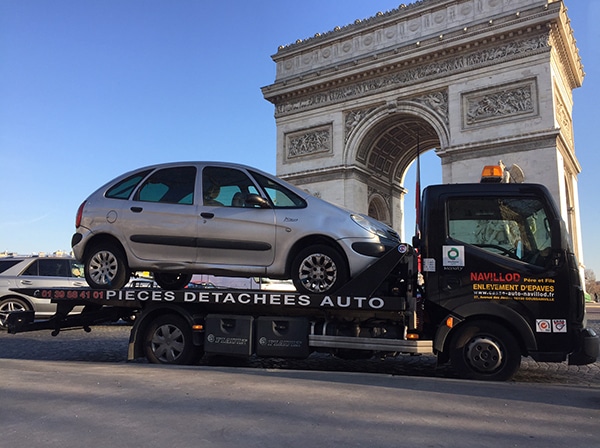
(49,273)
(231,231)
(161,220)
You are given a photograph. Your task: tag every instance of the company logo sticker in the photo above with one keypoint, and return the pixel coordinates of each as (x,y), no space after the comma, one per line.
(543,326)
(453,256)
(559,325)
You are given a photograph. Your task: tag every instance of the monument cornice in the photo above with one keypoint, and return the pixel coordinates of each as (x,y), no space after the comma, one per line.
(420,69)
(496,147)
(436,24)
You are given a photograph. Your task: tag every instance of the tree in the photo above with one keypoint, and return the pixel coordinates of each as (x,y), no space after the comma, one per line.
(591,285)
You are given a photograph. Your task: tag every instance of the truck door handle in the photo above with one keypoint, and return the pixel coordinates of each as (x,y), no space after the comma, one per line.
(136,209)
(451,283)
(207,215)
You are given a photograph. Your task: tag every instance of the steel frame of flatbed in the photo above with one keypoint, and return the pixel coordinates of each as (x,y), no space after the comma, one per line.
(358,295)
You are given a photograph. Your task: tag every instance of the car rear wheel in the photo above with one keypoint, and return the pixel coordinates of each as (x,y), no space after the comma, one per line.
(106,267)
(172,282)
(9,305)
(319,269)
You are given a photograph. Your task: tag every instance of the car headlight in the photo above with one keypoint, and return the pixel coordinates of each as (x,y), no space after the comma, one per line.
(374,226)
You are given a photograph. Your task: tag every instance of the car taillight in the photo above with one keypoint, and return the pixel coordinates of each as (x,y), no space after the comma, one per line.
(79,214)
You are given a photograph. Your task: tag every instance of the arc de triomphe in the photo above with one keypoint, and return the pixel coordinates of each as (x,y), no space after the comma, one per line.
(475,80)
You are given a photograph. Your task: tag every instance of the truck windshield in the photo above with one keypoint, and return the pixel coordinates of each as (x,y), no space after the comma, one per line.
(513,227)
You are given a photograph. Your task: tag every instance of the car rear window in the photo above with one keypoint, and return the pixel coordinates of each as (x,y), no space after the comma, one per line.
(7,264)
(124,188)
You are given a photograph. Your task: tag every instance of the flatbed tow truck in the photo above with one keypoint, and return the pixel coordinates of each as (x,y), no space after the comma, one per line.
(492,278)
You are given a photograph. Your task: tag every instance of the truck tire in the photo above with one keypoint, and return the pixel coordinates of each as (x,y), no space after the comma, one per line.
(319,269)
(106,267)
(171,281)
(9,305)
(484,350)
(168,340)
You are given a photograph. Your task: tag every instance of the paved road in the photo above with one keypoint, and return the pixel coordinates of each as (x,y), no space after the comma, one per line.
(77,390)
(108,343)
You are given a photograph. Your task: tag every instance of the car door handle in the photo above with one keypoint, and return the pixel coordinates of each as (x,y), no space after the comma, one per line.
(79,284)
(26,282)
(136,209)
(207,215)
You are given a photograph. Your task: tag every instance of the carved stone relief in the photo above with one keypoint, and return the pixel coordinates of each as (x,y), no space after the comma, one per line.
(353,119)
(309,142)
(501,102)
(437,102)
(564,119)
(418,74)
(396,28)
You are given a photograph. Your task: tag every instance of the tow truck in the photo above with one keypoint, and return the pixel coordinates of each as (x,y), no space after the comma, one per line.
(490,277)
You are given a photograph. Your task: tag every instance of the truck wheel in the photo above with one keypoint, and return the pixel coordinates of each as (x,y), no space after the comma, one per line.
(168,340)
(319,269)
(9,305)
(483,350)
(106,267)
(172,282)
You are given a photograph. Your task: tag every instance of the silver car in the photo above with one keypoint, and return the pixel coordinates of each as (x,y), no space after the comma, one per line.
(36,272)
(179,219)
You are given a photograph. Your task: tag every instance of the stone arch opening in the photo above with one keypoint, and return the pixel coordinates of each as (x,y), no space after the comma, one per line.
(386,149)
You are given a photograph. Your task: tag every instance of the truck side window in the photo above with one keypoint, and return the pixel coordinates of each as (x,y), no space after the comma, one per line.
(513,227)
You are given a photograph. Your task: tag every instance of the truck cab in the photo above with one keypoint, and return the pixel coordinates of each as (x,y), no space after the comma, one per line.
(496,258)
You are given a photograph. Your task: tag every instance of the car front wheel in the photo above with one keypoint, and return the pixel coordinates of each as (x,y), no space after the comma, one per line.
(9,305)
(319,269)
(484,350)
(106,267)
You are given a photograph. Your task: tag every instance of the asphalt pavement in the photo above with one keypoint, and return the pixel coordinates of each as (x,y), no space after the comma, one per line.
(77,389)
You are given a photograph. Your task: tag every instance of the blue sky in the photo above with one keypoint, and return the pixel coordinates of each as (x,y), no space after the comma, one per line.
(91,89)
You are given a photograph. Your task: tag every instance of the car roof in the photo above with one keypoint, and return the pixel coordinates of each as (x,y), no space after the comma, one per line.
(199,164)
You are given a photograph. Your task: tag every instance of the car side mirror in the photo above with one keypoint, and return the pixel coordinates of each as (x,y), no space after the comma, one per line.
(254,200)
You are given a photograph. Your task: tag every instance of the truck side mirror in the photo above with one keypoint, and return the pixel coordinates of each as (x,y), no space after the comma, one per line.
(416,242)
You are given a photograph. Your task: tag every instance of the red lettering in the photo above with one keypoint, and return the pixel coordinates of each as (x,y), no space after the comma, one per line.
(509,277)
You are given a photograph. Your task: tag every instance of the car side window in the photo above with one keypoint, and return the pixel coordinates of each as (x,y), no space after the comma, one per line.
(170,185)
(226,187)
(124,188)
(280,196)
(48,267)
(76,269)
